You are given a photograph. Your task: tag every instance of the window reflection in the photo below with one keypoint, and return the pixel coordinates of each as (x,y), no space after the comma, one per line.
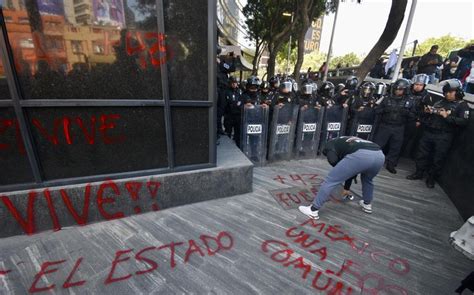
(86,49)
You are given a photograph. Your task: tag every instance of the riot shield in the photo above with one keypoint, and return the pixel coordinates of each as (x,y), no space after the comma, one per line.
(363,124)
(308,132)
(254,133)
(282,132)
(334,123)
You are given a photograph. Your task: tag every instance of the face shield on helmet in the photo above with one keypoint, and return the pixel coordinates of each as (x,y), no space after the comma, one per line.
(452,85)
(367,90)
(286,87)
(307,89)
(421,79)
(400,87)
(380,89)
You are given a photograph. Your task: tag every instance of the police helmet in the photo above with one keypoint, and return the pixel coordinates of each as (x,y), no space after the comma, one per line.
(421,79)
(367,89)
(274,82)
(401,84)
(286,86)
(327,89)
(307,88)
(253,82)
(351,83)
(453,85)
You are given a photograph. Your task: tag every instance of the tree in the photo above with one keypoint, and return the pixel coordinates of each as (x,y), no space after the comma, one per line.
(306,12)
(257,30)
(351,58)
(268,23)
(446,44)
(394,22)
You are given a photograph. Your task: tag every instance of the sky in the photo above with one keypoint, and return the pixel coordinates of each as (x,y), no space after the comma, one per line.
(359,26)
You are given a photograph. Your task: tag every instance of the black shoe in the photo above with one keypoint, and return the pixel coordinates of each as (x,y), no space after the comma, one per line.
(391,169)
(415,176)
(430,183)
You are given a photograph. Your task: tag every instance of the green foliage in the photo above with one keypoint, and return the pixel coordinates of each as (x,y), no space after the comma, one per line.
(446,44)
(351,58)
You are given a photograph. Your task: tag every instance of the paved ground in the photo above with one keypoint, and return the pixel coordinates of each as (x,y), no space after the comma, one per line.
(254,244)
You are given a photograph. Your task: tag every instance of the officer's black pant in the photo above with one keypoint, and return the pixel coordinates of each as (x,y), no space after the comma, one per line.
(232,122)
(391,135)
(432,151)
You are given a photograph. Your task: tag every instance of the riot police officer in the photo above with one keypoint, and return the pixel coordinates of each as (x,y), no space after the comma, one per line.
(224,68)
(346,96)
(326,94)
(306,97)
(265,95)
(232,117)
(274,85)
(439,126)
(251,95)
(363,111)
(395,111)
(419,96)
(285,93)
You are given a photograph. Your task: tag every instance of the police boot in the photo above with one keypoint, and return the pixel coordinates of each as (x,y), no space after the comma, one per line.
(391,168)
(430,182)
(415,176)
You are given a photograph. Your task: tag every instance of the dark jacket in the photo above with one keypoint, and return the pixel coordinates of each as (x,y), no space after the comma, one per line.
(458,117)
(425,68)
(396,110)
(336,149)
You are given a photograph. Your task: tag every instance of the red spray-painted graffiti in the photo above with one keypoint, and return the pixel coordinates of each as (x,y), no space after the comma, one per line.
(330,280)
(108,193)
(94,129)
(144,261)
(305,179)
(148,44)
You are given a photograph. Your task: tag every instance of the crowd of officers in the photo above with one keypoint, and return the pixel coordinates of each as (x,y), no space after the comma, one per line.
(407,115)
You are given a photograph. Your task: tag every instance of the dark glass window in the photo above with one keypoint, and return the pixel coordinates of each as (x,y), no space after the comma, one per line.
(86,49)
(14,164)
(187,50)
(81,141)
(191,139)
(4,90)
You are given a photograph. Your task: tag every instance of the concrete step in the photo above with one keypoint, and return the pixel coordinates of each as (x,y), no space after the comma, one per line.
(30,212)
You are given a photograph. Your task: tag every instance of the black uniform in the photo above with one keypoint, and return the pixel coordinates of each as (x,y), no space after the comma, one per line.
(413,133)
(223,70)
(364,116)
(395,112)
(232,120)
(438,134)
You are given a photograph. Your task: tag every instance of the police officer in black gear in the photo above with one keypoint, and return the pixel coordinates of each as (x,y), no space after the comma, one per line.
(365,97)
(326,94)
(285,93)
(395,111)
(232,118)
(265,96)
(419,96)
(274,85)
(305,97)
(225,66)
(348,93)
(439,126)
(251,95)
(363,107)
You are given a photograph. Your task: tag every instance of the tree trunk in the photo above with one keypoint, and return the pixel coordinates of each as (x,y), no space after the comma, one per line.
(255,59)
(300,57)
(271,62)
(395,19)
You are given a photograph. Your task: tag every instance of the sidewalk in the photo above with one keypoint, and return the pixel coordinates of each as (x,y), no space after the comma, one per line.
(254,244)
